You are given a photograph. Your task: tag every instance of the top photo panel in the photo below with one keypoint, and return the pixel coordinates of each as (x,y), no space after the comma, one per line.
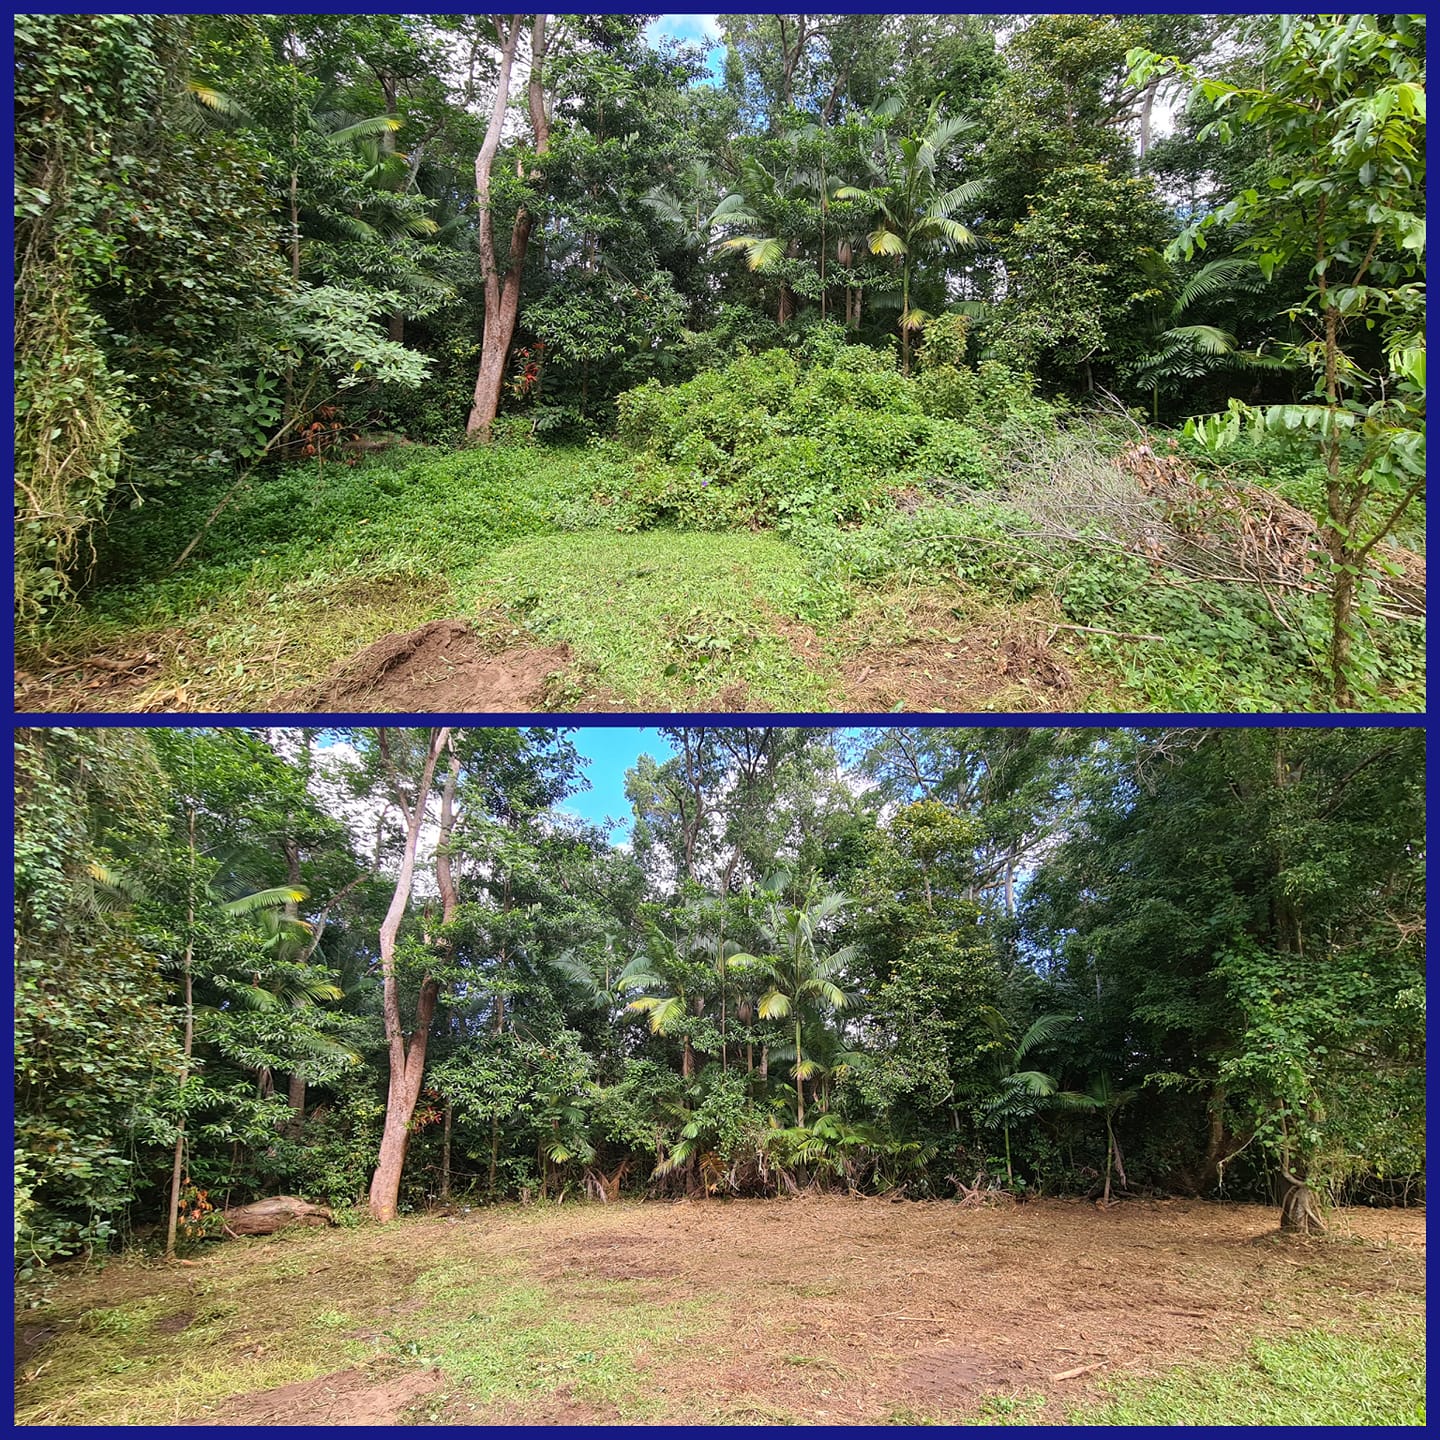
(694,363)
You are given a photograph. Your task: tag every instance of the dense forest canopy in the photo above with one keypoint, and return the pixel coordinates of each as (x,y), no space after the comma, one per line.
(395,966)
(245,240)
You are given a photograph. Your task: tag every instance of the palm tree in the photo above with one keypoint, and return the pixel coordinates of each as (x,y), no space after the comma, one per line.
(914,213)
(1180,351)
(799,974)
(676,989)
(1101,1094)
(1021,1092)
(704,205)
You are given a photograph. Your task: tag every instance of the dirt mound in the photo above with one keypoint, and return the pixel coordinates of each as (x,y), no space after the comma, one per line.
(348,1397)
(444,665)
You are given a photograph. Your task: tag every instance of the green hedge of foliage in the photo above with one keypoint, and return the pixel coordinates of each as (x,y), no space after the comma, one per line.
(832,432)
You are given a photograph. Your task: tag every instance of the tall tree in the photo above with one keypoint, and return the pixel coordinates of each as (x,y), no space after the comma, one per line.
(412,796)
(502,274)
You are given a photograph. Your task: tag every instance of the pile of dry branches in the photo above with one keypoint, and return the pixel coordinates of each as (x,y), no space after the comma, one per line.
(1147,501)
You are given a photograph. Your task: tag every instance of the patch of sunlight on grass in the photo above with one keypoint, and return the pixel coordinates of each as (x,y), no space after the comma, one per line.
(665,616)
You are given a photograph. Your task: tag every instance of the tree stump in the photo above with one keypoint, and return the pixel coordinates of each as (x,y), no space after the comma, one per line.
(1299,1209)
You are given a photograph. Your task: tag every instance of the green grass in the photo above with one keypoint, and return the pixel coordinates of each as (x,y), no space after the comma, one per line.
(501,1336)
(661,615)
(1322,1376)
(1316,1377)
(248,1319)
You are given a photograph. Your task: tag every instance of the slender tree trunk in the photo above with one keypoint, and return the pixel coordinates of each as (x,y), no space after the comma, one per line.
(388,88)
(905,316)
(292,912)
(407,1061)
(445,1154)
(502,291)
(1109,1154)
(799,1083)
(494,1149)
(1147,106)
(1214,1141)
(173,1219)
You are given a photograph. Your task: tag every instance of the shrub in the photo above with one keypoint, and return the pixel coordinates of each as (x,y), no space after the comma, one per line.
(771,438)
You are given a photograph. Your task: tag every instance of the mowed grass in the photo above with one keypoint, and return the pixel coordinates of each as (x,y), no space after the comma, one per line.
(1318,1377)
(254,1315)
(663,614)
(309,565)
(636,1313)
(1323,1376)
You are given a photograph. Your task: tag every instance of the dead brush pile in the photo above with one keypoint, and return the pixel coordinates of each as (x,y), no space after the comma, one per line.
(1148,501)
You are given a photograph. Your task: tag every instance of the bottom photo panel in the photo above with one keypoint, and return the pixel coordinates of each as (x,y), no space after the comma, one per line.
(727,1075)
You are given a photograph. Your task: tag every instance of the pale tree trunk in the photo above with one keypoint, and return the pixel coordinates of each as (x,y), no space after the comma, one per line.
(407,1061)
(502,291)
(173,1219)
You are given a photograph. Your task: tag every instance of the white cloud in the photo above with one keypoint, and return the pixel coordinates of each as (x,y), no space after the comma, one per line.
(700,29)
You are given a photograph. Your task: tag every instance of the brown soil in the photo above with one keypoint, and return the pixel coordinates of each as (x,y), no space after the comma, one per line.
(816,1310)
(442,666)
(930,651)
(875,1307)
(850,1311)
(349,1397)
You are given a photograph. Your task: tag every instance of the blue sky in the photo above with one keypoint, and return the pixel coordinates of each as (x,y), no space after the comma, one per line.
(698,29)
(611,751)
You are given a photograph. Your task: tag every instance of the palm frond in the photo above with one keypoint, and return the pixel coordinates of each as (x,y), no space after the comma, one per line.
(217,100)
(1208,339)
(774,1005)
(959,198)
(1232,272)
(363,128)
(266,900)
(1040,1032)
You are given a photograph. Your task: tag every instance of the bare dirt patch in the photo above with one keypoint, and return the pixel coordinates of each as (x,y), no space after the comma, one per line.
(348,1397)
(840,1310)
(445,665)
(933,651)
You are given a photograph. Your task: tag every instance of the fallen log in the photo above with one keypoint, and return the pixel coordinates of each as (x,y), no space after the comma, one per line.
(265,1217)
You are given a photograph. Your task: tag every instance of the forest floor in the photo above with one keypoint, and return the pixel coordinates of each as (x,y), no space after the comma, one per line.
(819,1310)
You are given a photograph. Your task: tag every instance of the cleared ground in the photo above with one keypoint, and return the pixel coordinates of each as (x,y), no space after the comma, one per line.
(821,1310)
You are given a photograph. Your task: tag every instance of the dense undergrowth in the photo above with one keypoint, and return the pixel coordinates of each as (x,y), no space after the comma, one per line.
(835,476)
